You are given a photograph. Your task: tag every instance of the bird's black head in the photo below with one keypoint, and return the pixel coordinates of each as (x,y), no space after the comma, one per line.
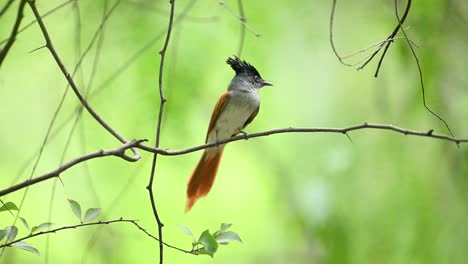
(243,68)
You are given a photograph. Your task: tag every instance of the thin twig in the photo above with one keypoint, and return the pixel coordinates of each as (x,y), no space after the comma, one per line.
(106,83)
(59,107)
(121,220)
(177,20)
(14,32)
(158,131)
(41,150)
(133,176)
(78,69)
(386,43)
(421,79)
(53,10)
(70,80)
(242,32)
(118,152)
(223,4)
(5,7)
(395,31)
(147,7)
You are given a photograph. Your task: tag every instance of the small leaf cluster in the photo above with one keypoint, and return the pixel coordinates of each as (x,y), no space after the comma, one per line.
(90,214)
(10,232)
(208,243)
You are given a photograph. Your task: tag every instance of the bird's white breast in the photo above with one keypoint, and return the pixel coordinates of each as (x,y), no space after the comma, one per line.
(240,107)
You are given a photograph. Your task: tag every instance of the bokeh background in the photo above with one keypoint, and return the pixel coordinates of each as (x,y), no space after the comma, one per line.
(293,198)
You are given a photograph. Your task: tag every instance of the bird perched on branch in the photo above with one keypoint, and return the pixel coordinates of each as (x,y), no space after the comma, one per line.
(235,109)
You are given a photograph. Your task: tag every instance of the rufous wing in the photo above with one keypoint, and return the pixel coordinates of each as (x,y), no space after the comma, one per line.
(220,105)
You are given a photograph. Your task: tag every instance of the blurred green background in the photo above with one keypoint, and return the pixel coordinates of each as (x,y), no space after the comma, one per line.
(293,198)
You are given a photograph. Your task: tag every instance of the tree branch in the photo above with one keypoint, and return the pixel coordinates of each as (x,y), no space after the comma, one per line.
(158,131)
(5,7)
(138,144)
(14,32)
(395,31)
(53,10)
(386,43)
(239,17)
(134,222)
(69,78)
(421,79)
(119,152)
(345,130)
(243,21)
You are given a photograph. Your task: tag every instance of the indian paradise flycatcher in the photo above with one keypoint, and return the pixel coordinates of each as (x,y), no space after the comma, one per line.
(235,109)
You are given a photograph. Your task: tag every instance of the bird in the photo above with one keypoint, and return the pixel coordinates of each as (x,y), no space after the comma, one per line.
(235,109)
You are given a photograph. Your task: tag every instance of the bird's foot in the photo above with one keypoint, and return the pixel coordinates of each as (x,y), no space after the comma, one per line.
(246,135)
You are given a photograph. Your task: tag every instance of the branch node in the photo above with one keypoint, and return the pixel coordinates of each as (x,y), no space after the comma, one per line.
(347,135)
(429,133)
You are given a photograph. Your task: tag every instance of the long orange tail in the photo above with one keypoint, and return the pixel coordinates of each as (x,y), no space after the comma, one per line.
(203,177)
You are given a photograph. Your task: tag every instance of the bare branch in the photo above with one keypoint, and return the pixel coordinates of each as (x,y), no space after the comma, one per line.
(240,18)
(386,43)
(121,220)
(53,10)
(118,152)
(344,130)
(14,32)
(421,79)
(106,83)
(158,130)
(138,144)
(5,7)
(70,80)
(242,32)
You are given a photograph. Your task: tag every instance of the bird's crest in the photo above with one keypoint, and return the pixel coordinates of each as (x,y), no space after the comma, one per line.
(241,66)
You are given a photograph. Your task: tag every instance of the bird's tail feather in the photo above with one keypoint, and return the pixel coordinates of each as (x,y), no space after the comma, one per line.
(203,177)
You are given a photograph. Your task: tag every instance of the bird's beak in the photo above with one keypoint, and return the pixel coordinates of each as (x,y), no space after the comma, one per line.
(266,83)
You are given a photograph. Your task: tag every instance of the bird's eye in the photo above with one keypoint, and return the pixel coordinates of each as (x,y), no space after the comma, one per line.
(256,78)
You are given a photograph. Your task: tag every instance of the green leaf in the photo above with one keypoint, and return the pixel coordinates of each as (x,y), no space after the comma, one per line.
(225,237)
(188,232)
(91,213)
(41,227)
(224,227)
(25,223)
(26,246)
(8,206)
(202,251)
(209,243)
(76,208)
(3,233)
(11,232)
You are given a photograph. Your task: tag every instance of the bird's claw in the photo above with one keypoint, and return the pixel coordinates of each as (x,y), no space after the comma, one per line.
(246,135)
